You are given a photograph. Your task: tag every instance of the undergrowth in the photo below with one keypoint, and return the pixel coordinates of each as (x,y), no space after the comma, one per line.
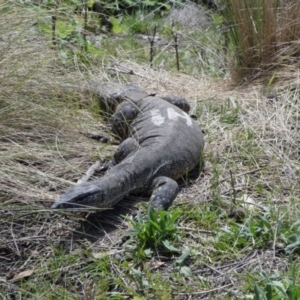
(233,233)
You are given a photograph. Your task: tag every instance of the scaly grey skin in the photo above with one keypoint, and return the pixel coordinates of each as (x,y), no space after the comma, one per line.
(160,144)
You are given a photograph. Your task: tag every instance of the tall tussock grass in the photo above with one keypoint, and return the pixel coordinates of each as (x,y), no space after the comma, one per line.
(265,35)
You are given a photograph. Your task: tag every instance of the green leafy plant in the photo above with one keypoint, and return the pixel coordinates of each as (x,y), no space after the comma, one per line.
(157,230)
(179,263)
(254,231)
(258,232)
(142,5)
(293,240)
(230,117)
(117,26)
(275,287)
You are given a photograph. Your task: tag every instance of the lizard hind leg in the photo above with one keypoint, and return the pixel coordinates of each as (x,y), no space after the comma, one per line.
(164,192)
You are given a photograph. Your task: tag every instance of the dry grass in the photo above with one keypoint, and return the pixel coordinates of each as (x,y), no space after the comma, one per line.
(42,153)
(265,33)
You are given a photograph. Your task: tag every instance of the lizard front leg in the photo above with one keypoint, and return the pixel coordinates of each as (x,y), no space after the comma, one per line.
(120,121)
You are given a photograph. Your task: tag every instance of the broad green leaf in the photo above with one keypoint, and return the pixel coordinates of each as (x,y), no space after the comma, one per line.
(186,271)
(148,252)
(269,292)
(156,226)
(289,249)
(257,293)
(183,257)
(170,247)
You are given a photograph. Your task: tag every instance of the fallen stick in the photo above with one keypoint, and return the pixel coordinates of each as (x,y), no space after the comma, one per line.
(91,171)
(121,69)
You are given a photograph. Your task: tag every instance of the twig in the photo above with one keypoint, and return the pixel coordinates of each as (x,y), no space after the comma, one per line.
(151,41)
(233,265)
(90,172)
(213,269)
(197,230)
(85,16)
(232,183)
(54,19)
(122,69)
(240,174)
(175,36)
(207,291)
(26,239)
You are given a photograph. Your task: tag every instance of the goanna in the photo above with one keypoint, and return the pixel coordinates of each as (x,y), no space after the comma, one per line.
(160,144)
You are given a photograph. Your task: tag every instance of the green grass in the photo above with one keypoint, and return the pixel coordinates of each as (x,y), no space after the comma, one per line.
(200,50)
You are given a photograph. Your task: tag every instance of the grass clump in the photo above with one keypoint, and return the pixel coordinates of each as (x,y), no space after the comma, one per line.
(257,232)
(155,231)
(274,287)
(263,34)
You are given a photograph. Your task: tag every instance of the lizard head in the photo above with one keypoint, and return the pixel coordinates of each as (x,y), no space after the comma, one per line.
(83,195)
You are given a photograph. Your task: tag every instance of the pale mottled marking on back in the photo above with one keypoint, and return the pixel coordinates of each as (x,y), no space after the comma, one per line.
(157,118)
(173,115)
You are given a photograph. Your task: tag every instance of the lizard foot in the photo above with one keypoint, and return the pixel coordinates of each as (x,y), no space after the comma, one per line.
(164,193)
